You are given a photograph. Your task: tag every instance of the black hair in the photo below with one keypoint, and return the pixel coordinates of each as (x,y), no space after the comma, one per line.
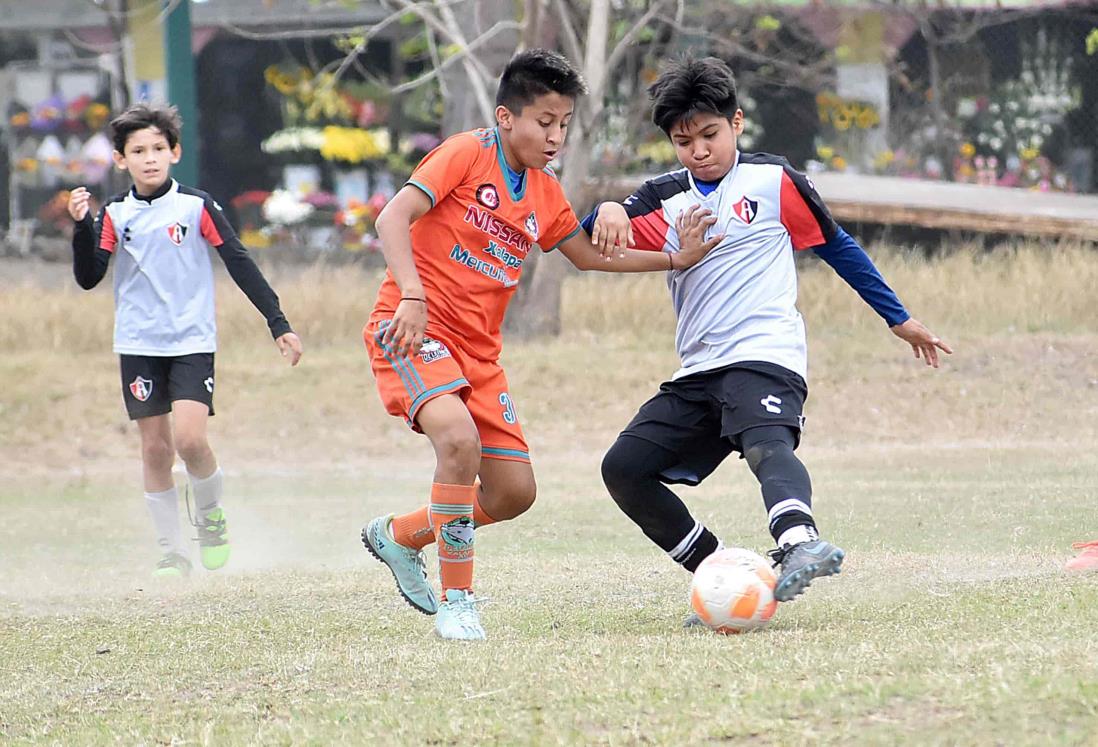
(689,86)
(163,117)
(534,73)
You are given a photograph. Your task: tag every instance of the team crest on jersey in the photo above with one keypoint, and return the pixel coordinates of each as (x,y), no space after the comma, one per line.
(141,389)
(488,196)
(532,226)
(176,232)
(746,209)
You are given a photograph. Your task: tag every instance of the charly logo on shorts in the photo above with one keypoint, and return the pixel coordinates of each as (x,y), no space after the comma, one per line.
(176,232)
(433,350)
(488,196)
(771,403)
(209,382)
(141,389)
(457,533)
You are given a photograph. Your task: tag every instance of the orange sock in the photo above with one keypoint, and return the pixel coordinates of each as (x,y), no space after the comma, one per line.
(414,529)
(452,518)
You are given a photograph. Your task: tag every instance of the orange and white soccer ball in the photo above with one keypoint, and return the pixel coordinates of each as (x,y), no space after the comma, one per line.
(733,591)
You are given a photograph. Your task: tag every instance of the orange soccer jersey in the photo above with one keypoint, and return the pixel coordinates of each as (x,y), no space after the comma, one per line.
(470,246)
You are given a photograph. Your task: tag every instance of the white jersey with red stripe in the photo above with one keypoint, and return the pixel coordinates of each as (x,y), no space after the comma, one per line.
(739,303)
(163,279)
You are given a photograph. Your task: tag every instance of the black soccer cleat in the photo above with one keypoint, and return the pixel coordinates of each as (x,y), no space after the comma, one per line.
(803,562)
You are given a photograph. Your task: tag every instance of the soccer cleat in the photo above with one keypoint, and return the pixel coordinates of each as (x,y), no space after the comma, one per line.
(213,540)
(1087,559)
(173,565)
(407,564)
(803,562)
(693,621)
(458,619)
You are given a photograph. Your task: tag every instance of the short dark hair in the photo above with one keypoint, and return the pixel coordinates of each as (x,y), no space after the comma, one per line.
(163,117)
(689,86)
(534,73)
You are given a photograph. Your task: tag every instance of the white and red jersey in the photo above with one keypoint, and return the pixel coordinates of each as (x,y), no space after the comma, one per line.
(740,302)
(163,279)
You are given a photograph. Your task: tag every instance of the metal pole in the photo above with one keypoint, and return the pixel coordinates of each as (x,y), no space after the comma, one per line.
(179,61)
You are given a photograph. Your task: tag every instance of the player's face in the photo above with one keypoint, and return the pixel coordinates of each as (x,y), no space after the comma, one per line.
(533,137)
(148,158)
(706,144)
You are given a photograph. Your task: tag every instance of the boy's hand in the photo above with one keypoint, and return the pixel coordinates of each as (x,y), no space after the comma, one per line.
(923,342)
(613,231)
(78,203)
(405,334)
(289,345)
(692,225)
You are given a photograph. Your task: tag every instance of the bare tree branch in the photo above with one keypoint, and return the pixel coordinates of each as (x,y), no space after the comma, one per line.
(571,38)
(439,66)
(630,36)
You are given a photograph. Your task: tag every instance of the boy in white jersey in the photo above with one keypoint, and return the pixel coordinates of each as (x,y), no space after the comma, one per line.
(740,338)
(164,328)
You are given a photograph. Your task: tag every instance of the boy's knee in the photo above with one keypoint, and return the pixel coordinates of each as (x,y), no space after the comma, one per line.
(515,501)
(157,452)
(192,448)
(620,470)
(458,446)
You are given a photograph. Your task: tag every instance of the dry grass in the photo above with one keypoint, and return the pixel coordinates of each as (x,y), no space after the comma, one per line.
(956,493)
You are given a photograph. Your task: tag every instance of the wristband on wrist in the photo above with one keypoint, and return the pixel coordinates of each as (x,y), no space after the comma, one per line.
(413,298)
(670,261)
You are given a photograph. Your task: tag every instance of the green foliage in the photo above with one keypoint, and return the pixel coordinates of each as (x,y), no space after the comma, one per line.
(1092,42)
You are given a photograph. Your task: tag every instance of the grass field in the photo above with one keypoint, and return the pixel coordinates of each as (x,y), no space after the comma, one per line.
(957,494)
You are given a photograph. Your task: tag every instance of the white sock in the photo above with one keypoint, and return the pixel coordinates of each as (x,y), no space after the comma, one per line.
(796,535)
(164,508)
(207,491)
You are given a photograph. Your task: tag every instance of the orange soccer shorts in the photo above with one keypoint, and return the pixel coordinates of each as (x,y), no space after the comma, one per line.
(406,383)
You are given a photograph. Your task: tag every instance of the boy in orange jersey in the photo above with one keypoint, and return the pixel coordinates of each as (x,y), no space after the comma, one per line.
(455,238)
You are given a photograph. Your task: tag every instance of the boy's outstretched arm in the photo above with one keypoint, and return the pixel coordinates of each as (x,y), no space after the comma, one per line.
(393,225)
(853,265)
(92,244)
(219,233)
(610,220)
(810,226)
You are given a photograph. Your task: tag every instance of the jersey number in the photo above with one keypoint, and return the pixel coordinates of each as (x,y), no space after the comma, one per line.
(508,409)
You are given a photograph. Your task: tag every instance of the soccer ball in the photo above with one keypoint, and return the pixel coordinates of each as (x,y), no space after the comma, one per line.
(733,591)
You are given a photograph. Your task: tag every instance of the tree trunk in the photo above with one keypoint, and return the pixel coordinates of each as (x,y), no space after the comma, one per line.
(461,110)
(536,309)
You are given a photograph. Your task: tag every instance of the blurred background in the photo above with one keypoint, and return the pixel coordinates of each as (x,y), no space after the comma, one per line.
(303,116)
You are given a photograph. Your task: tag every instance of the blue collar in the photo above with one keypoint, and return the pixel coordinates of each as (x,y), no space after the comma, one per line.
(516,181)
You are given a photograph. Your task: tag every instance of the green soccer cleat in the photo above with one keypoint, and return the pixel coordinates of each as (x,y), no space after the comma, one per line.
(213,540)
(458,619)
(406,563)
(803,562)
(173,565)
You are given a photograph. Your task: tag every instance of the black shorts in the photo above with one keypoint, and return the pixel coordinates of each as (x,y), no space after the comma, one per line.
(700,417)
(150,383)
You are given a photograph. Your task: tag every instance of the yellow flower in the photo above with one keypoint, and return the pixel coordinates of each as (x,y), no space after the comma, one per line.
(884,158)
(838,163)
(841,119)
(968,150)
(867,118)
(1029,154)
(825,152)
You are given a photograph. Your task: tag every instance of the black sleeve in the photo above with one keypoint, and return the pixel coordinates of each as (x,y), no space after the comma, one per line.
(89,260)
(242,268)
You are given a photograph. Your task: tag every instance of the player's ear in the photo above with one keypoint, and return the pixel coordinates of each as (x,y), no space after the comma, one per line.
(177,153)
(119,160)
(737,122)
(504,118)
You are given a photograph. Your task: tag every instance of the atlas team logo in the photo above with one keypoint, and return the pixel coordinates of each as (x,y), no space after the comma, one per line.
(176,232)
(488,196)
(746,209)
(141,389)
